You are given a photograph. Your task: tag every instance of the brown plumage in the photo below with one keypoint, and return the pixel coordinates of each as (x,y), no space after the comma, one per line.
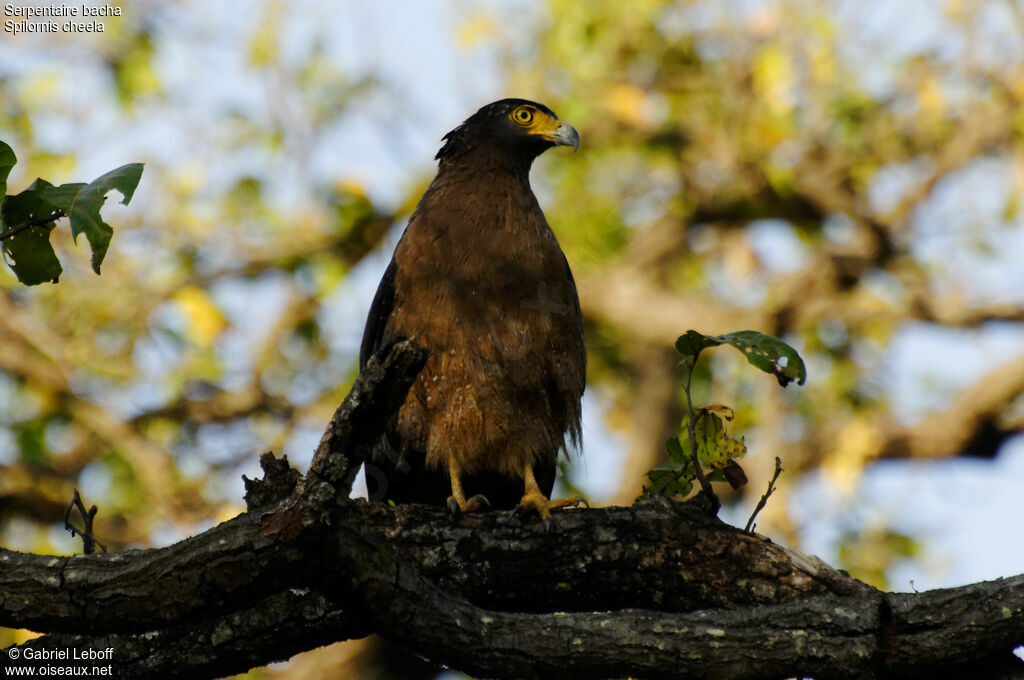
(479,279)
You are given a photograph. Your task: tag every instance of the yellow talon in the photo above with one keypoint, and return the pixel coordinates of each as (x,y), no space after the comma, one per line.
(533,499)
(457,502)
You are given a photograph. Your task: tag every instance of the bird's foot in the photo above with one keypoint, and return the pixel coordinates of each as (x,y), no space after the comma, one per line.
(477,502)
(542,505)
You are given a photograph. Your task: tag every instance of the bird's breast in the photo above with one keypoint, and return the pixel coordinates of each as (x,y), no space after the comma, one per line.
(467,281)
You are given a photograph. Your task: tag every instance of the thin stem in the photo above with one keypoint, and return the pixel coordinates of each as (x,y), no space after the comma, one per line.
(34,222)
(764,499)
(705,485)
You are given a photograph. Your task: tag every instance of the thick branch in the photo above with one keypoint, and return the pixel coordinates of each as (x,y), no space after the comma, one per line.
(270,629)
(654,556)
(688,595)
(655,590)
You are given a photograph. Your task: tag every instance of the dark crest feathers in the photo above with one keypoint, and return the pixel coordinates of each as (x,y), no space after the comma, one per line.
(459,139)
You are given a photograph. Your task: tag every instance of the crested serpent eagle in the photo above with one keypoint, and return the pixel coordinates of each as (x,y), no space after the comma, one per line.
(479,280)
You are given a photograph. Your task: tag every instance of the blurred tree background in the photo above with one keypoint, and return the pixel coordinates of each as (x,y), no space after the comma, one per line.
(845,175)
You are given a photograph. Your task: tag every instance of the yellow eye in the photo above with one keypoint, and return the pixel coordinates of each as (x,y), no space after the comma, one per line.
(523,115)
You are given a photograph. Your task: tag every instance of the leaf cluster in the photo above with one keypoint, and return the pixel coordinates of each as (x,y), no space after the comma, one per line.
(27,218)
(703,442)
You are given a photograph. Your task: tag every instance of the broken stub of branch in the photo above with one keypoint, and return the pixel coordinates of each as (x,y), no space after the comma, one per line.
(357,423)
(764,499)
(89,541)
(279,481)
(355,427)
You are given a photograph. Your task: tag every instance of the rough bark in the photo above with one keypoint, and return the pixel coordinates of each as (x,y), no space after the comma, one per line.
(658,590)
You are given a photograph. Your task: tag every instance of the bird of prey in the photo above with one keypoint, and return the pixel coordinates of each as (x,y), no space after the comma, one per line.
(479,280)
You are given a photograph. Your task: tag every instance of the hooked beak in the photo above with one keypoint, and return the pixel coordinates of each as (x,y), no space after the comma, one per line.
(565,135)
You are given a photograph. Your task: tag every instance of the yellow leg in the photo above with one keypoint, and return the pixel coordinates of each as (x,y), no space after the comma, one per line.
(533,499)
(457,501)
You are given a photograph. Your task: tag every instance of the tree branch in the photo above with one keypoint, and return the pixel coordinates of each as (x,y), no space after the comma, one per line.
(657,590)
(271,629)
(358,421)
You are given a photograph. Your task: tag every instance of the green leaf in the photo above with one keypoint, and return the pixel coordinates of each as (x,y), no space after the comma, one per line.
(715,449)
(31,256)
(766,352)
(7,161)
(769,354)
(82,203)
(29,253)
(62,197)
(691,343)
(27,205)
(667,482)
(676,453)
(714,446)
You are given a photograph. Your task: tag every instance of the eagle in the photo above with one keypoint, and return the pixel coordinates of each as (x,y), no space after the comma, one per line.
(479,280)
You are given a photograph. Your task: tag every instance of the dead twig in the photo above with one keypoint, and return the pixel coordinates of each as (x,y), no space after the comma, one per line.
(764,499)
(88,539)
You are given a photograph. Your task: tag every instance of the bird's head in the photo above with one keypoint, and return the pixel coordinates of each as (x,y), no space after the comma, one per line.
(517,129)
